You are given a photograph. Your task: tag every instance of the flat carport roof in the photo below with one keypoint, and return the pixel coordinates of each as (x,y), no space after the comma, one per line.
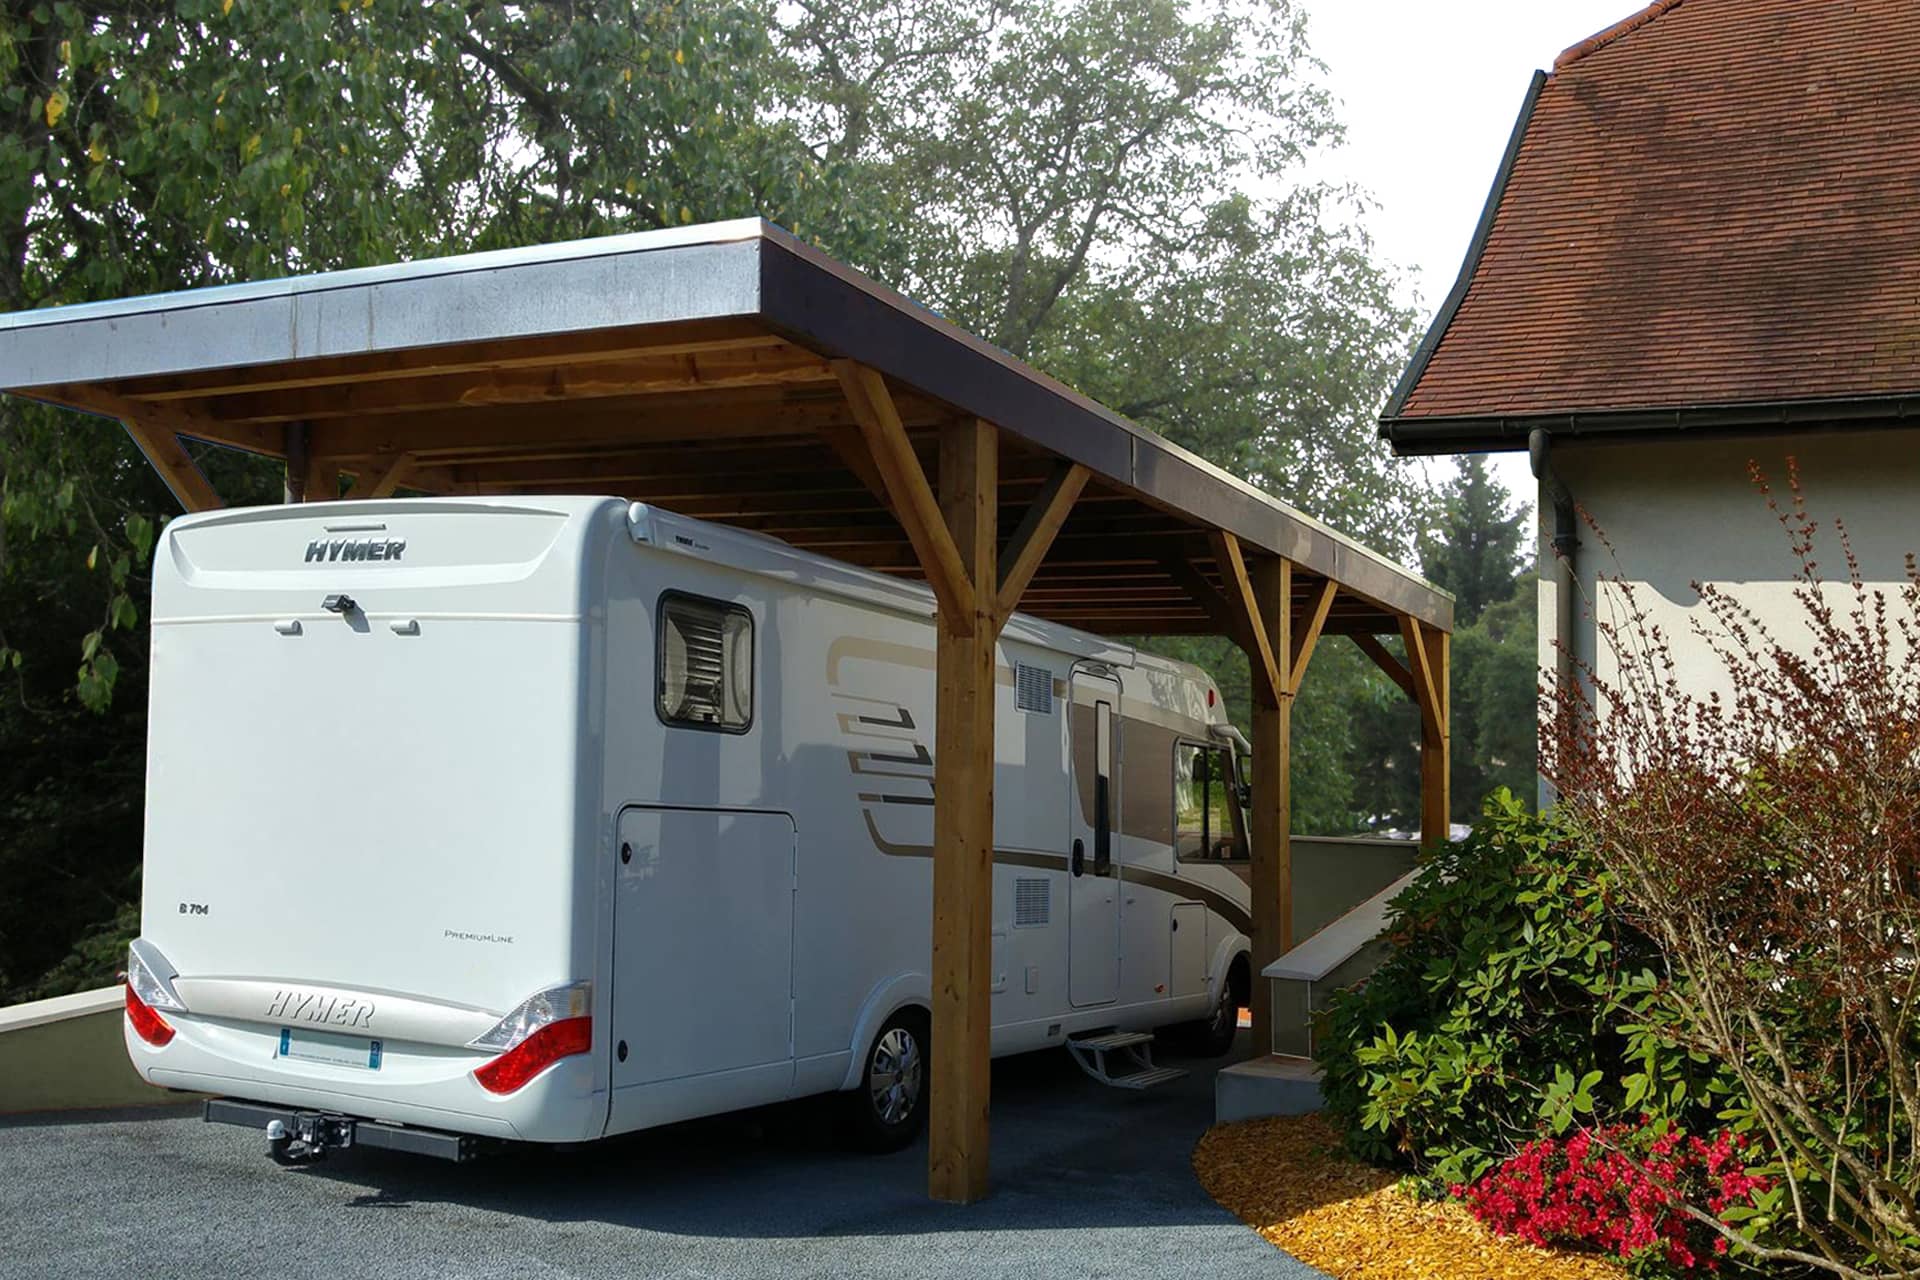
(733,373)
(651,365)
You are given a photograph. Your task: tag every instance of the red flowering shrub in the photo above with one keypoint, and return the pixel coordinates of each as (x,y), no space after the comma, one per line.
(1621,1190)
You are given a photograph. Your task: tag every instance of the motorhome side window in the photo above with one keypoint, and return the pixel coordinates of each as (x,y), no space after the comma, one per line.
(1202,792)
(705,666)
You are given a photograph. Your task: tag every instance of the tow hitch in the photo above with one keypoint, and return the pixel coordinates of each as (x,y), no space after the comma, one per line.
(307,1137)
(303,1137)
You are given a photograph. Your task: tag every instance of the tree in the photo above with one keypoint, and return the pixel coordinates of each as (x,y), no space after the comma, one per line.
(1109,189)
(1496,674)
(1475,551)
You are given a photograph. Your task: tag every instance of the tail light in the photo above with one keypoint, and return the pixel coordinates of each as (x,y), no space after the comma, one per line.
(149,1025)
(150,988)
(546,1027)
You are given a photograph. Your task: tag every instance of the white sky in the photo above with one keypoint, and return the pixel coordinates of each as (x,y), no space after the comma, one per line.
(1428,92)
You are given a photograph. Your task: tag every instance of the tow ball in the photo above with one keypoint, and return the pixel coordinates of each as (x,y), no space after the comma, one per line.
(307,1137)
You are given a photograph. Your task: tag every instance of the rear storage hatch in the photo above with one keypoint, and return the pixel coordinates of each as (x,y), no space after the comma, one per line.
(364,822)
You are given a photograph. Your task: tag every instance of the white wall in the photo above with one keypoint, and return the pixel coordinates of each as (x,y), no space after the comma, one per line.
(1677,511)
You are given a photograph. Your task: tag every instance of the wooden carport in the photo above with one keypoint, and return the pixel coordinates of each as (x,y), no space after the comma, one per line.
(732,373)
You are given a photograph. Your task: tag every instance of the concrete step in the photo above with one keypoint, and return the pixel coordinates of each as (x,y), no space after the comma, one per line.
(1275,1085)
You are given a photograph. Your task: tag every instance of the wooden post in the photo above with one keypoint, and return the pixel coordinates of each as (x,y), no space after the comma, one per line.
(294,442)
(1436,742)
(963,826)
(1272,870)
(976,584)
(1259,601)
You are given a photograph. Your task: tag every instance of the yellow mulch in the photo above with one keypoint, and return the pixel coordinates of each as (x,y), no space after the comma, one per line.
(1286,1177)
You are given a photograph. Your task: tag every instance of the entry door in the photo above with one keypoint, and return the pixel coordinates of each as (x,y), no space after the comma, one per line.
(1093,890)
(702,943)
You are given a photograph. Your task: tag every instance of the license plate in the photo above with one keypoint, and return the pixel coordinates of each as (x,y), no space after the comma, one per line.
(335,1050)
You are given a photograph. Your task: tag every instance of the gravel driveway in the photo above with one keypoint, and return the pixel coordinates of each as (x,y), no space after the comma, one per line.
(1088,1181)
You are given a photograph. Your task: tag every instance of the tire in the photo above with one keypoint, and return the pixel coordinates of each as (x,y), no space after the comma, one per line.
(1212,1036)
(887,1108)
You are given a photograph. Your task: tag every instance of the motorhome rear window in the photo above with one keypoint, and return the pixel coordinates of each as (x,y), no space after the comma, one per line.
(705,668)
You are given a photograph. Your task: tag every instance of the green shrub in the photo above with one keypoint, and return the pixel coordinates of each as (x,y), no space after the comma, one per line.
(1500,1011)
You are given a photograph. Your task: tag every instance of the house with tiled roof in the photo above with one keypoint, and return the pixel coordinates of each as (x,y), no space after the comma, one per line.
(1702,248)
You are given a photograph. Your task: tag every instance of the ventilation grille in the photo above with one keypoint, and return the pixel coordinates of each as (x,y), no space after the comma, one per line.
(1032,903)
(1033,689)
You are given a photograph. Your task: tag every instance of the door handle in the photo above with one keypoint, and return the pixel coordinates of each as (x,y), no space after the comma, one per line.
(1079,858)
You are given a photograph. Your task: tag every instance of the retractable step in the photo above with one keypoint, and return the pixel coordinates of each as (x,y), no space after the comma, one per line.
(1148,1078)
(1136,1048)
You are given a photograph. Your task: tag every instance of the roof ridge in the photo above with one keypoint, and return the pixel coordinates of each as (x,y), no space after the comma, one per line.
(1625,26)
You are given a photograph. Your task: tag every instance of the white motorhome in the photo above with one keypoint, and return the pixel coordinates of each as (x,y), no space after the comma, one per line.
(554,818)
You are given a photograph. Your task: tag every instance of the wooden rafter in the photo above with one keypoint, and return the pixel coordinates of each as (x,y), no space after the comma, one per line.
(1246,606)
(1020,558)
(1306,637)
(906,484)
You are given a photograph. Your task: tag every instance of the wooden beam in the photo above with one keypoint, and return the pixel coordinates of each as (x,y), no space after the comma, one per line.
(1419,665)
(169,457)
(1226,620)
(174,418)
(550,351)
(913,500)
(1270,588)
(1436,743)
(1305,638)
(850,446)
(496,431)
(1028,547)
(963,766)
(1371,646)
(647,374)
(1268,678)
(323,479)
(380,477)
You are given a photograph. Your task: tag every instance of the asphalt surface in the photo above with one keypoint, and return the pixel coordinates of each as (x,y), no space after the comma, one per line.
(1087,1181)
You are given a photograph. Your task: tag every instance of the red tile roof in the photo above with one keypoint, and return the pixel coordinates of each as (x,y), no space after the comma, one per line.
(1713,202)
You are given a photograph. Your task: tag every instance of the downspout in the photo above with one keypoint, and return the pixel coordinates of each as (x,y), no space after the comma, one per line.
(1566,552)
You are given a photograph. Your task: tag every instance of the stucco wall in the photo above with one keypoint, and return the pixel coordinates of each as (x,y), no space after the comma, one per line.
(1677,511)
(67,1054)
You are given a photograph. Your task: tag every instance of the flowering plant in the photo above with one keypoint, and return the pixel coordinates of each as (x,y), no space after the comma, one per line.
(1624,1190)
